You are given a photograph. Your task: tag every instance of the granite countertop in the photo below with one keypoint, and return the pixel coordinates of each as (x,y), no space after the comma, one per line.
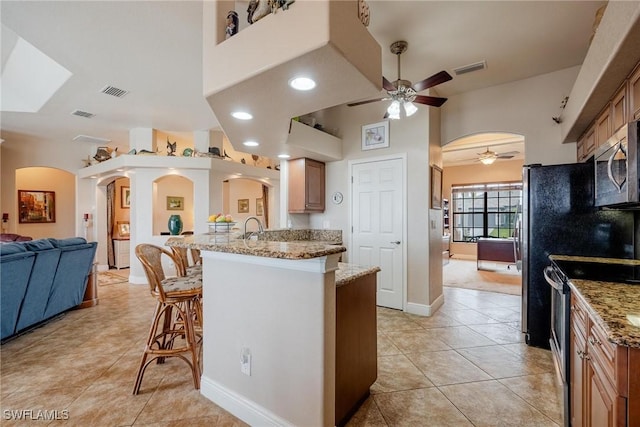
(347,273)
(224,242)
(615,306)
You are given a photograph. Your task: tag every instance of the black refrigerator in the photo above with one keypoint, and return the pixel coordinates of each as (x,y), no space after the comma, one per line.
(559,217)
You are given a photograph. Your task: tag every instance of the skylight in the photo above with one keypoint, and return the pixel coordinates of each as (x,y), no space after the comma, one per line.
(29,78)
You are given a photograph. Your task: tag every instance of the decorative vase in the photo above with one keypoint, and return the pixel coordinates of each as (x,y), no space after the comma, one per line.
(175,225)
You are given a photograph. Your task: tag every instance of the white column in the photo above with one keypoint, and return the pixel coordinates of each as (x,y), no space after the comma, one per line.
(142,139)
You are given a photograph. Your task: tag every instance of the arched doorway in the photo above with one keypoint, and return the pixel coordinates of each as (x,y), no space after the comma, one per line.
(246,197)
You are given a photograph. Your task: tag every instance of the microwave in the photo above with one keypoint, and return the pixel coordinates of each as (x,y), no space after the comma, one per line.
(616,169)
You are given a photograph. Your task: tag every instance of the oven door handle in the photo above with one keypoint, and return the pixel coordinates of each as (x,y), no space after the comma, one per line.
(552,279)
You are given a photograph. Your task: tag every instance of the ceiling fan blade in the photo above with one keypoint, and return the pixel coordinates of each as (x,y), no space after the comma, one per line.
(433,101)
(509,153)
(432,81)
(387,85)
(502,156)
(353,104)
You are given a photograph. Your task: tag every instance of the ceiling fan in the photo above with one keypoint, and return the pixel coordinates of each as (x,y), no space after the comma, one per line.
(403,93)
(488,157)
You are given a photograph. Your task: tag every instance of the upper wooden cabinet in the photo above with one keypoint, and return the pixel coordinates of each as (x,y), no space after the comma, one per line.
(623,108)
(619,109)
(634,94)
(603,126)
(306,186)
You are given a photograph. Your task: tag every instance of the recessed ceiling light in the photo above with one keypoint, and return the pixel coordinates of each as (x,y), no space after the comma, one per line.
(250,144)
(302,83)
(242,115)
(283,156)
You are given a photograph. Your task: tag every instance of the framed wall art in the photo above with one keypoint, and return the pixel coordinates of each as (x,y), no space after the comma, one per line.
(122,229)
(243,205)
(36,206)
(259,207)
(436,187)
(375,136)
(125,197)
(175,203)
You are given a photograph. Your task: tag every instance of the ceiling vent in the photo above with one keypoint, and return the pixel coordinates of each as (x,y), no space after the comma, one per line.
(470,68)
(81,113)
(95,139)
(114,91)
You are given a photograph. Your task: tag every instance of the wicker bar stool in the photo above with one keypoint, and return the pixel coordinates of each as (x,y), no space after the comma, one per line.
(174,319)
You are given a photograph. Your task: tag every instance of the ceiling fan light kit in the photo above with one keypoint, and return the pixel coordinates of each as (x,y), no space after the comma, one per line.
(404,93)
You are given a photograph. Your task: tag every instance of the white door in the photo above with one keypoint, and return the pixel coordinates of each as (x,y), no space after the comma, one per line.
(377,219)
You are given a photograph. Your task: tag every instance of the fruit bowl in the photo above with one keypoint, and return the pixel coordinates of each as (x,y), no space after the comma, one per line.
(221,227)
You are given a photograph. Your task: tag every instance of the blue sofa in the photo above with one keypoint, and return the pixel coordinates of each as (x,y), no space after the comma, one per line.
(40,279)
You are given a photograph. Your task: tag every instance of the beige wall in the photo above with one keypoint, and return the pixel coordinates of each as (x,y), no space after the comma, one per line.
(243,189)
(46,179)
(120,213)
(500,171)
(176,186)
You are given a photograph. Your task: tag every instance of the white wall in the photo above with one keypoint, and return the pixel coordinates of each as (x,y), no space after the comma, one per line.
(524,107)
(410,136)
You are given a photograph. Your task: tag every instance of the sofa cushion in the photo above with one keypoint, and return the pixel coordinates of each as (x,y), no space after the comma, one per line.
(12,248)
(71,241)
(39,245)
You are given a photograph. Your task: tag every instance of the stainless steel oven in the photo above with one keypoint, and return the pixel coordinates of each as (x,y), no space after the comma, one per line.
(559,341)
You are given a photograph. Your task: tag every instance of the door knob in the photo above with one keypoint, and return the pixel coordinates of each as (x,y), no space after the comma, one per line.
(397,242)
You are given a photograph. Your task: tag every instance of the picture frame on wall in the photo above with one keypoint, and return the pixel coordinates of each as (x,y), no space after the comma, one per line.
(125,197)
(375,136)
(243,205)
(36,206)
(436,187)
(122,229)
(175,203)
(259,207)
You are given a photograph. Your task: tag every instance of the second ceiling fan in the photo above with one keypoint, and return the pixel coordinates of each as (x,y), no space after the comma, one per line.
(404,94)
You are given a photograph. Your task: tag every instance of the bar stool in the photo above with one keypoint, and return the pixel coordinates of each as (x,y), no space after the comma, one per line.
(177,308)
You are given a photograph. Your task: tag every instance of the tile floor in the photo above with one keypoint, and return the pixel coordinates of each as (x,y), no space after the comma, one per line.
(467,365)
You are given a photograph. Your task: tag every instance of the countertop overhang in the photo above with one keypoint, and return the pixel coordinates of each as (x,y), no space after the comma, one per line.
(220,242)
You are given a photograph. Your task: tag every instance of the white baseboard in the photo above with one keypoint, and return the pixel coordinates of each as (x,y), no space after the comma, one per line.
(424,309)
(247,410)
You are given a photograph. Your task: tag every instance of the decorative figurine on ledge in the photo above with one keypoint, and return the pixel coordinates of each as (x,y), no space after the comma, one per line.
(171,148)
(102,154)
(232,24)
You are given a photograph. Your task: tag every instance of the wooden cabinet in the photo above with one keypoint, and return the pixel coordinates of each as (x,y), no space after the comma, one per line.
(634,94)
(306,186)
(356,345)
(121,253)
(601,375)
(619,110)
(587,144)
(603,126)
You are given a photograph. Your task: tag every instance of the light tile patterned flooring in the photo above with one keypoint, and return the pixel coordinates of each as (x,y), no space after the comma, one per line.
(466,365)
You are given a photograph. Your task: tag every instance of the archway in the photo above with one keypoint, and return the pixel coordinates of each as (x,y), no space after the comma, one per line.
(246,197)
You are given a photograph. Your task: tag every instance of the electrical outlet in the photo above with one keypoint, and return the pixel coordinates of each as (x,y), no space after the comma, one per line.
(245,361)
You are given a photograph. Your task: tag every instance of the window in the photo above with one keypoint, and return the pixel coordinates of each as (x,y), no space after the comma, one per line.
(485,210)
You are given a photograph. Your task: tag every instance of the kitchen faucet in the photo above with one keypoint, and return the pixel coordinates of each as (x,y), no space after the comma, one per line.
(260,227)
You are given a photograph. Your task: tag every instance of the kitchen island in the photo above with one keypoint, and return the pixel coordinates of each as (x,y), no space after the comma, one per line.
(277,315)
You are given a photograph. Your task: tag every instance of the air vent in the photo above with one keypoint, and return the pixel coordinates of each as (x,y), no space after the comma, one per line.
(81,113)
(114,91)
(95,139)
(470,68)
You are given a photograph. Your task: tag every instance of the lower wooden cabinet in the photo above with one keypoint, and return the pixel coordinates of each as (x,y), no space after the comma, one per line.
(603,383)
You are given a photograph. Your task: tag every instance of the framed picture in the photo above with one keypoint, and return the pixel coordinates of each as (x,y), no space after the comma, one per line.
(436,187)
(375,136)
(122,229)
(36,206)
(259,207)
(125,197)
(175,203)
(243,205)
